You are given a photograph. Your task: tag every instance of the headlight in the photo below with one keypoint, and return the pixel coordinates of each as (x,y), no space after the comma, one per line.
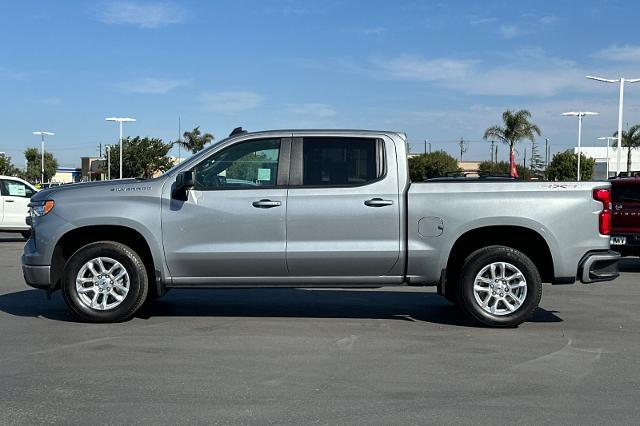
(41,208)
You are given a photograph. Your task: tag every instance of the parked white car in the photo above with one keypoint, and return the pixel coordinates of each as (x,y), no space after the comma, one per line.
(15,194)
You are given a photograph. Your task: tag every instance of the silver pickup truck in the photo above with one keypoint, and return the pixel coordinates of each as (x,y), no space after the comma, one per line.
(316,208)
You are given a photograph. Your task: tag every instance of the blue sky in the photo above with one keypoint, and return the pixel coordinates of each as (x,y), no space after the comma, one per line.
(437,70)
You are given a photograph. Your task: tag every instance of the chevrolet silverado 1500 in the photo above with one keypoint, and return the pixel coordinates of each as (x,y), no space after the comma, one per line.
(316,208)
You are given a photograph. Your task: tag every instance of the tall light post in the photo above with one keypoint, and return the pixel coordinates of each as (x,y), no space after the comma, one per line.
(42,135)
(120,120)
(579,115)
(622,81)
(608,139)
(108,147)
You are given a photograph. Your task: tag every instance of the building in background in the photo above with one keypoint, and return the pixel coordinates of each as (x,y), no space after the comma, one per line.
(67,175)
(93,168)
(599,153)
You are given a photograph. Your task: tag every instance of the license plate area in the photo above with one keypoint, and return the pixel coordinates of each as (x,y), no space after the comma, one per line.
(618,241)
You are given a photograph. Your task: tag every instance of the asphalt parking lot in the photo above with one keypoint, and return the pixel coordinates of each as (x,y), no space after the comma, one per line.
(387,356)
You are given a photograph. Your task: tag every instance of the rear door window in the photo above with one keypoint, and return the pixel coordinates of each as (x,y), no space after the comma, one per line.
(341,161)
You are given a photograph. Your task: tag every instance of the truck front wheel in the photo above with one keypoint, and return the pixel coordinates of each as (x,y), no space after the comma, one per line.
(499,287)
(105,281)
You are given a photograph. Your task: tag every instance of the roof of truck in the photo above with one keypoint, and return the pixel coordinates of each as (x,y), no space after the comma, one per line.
(321,131)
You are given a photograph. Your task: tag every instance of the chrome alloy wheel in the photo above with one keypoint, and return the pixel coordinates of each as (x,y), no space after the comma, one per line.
(500,288)
(102,283)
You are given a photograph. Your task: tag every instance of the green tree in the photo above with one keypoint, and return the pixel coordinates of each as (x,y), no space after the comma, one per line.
(516,128)
(502,168)
(141,157)
(7,168)
(34,161)
(194,140)
(631,141)
(564,166)
(433,164)
(536,165)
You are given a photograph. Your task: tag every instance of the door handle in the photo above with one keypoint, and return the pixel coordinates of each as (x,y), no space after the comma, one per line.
(266,204)
(378,202)
(9,201)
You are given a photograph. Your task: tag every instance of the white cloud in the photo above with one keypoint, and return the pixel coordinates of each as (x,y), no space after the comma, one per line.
(626,53)
(142,14)
(547,77)
(52,100)
(230,102)
(510,31)
(314,110)
(549,19)
(372,31)
(409,67)
(155,86)
(479,20)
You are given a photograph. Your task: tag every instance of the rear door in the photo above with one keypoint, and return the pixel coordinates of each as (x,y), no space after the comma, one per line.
(15,200)
(343,212)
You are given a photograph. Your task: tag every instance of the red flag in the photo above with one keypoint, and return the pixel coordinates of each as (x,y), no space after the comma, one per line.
(512,166)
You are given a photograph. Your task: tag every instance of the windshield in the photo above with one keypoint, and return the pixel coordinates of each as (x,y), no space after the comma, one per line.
(193,157)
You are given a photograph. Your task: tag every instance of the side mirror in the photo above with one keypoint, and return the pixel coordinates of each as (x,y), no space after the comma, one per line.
(184,182)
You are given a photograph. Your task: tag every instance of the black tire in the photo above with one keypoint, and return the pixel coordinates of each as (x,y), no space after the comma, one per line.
(138,281)
(26,234)
(483,257)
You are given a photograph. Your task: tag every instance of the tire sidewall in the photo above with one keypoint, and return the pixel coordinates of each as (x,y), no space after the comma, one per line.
(137,281)
(481,258)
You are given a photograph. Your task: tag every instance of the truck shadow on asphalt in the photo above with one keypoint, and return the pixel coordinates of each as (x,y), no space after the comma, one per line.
(629,264)
(272,303)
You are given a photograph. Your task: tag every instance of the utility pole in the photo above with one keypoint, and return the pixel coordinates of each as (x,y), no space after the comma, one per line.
(100,150)
(546,152)
(463,147)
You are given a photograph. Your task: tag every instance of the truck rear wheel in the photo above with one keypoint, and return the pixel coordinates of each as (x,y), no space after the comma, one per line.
(499,287)
(105,282)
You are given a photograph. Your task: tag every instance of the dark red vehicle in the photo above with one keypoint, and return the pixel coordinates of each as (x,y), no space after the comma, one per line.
(625,232)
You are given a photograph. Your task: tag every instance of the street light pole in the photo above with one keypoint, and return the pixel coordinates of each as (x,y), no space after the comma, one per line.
(120,120)
(579,115)
(622,81)
(108,162)
(42,135)
(608,139)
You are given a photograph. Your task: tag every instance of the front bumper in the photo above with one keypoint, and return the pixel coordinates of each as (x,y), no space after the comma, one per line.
(37,276)
(599,266)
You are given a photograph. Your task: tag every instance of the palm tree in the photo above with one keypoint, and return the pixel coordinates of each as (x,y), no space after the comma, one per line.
(194,140)
(631,141)
(516,127)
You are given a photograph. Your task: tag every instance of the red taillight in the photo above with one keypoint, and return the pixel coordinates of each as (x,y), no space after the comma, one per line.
(604,219)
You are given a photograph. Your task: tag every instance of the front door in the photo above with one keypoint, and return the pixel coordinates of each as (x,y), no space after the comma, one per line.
(15,200)
(343,212)
(232,227)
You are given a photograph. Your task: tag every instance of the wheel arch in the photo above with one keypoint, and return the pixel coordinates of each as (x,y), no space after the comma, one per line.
(76,238)
(527,240)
